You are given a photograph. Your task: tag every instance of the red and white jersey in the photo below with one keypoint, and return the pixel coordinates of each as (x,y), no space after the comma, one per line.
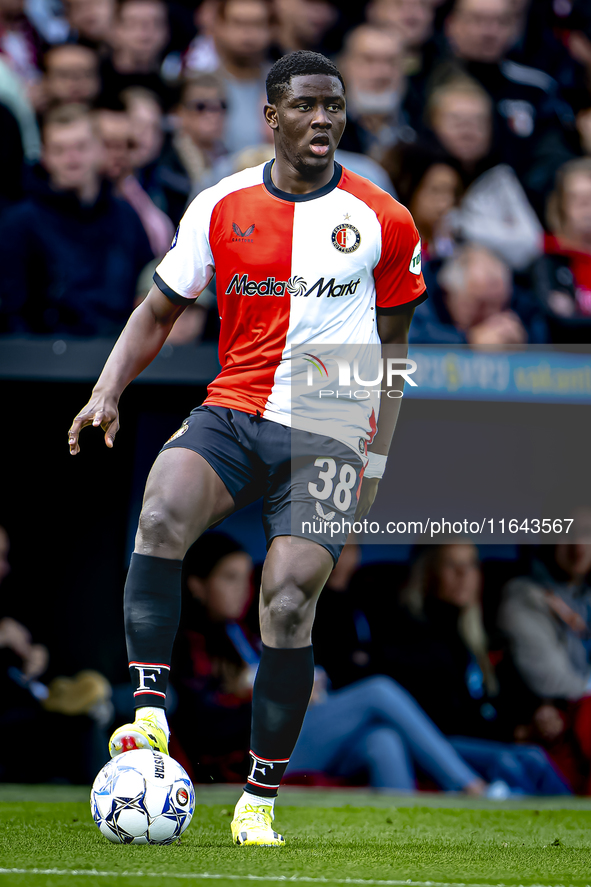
(295,273)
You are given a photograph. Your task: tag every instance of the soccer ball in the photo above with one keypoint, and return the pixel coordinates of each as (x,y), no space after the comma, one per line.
(142,797)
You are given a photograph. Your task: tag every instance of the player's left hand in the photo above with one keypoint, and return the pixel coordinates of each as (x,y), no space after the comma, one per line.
(369,491)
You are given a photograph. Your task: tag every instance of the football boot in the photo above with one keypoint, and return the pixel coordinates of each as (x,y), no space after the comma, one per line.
(143,733)
(253,826)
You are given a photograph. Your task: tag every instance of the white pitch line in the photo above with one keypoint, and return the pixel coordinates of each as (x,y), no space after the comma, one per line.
(276,879)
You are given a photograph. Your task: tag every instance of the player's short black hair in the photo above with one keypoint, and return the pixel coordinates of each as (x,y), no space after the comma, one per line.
(296,64)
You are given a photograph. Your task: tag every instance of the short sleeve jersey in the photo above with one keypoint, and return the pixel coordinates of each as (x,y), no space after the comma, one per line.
(293,271)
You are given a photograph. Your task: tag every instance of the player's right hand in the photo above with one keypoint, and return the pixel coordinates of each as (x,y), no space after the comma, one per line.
(99,411)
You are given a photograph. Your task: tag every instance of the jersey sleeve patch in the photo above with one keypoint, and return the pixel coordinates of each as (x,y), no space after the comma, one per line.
(415,262)
(398,275)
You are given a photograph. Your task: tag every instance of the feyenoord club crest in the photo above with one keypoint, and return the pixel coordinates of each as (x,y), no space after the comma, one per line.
(184,427)
(346,238)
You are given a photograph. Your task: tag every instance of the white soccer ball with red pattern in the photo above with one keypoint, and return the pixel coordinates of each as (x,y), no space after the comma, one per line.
(142,797)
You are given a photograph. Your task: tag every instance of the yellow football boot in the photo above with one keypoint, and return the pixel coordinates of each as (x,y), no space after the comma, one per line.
(253,826)
(143,733)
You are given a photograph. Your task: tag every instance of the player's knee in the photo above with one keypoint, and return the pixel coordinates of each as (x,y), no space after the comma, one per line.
(287,612)
(159,532)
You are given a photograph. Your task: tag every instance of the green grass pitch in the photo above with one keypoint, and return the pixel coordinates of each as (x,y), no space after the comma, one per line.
(48,839)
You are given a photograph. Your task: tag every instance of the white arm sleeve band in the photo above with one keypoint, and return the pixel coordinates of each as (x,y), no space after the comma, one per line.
(376,465)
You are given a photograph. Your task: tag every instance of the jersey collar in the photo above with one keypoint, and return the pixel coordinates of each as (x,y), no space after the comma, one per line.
(300,198)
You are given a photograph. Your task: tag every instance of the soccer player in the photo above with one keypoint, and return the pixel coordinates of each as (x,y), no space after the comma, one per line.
(304,252)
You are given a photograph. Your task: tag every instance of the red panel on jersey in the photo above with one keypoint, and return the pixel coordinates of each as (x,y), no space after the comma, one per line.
(395,282)
(250,236)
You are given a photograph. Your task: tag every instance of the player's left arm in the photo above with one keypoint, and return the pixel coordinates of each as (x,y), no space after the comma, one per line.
(393,332)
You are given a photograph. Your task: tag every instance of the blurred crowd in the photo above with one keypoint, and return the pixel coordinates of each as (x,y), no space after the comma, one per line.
(476,114)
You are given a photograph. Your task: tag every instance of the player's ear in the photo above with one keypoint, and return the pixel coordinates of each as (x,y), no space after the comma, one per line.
(270,112)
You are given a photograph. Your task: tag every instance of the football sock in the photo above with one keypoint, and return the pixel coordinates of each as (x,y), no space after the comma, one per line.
(152,607)
(281,694)
(158,713)
(248,799)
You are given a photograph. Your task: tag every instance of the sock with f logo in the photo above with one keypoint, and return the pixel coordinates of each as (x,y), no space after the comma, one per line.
(152,607)
(281,693)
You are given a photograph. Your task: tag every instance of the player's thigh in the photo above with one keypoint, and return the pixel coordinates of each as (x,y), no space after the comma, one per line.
(184,496)
(312,496)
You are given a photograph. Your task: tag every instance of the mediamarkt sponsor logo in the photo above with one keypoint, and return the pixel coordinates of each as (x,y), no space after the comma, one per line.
(295,286)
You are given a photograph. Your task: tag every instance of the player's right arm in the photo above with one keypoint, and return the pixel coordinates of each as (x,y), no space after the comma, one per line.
(137,346)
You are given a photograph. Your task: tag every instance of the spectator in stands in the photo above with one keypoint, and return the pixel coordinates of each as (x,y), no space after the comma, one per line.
(439,650)
(413,22)
(378,637)
(71,75)
(563,275)
(372,65)
(197,143)
(428,182)
(90,22)
(477,304)
(375,729)
(303,24)
(139,35)
(459,113)
(495,210)
(116,132)
(147,125)
(532,118)
(19,42)
(242,36)
(547,619)
(71,251)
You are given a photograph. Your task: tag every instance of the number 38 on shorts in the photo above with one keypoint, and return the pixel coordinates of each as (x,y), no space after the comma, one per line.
(336,481)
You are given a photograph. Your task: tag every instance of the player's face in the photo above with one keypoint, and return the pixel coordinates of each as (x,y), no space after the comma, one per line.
(309,121)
